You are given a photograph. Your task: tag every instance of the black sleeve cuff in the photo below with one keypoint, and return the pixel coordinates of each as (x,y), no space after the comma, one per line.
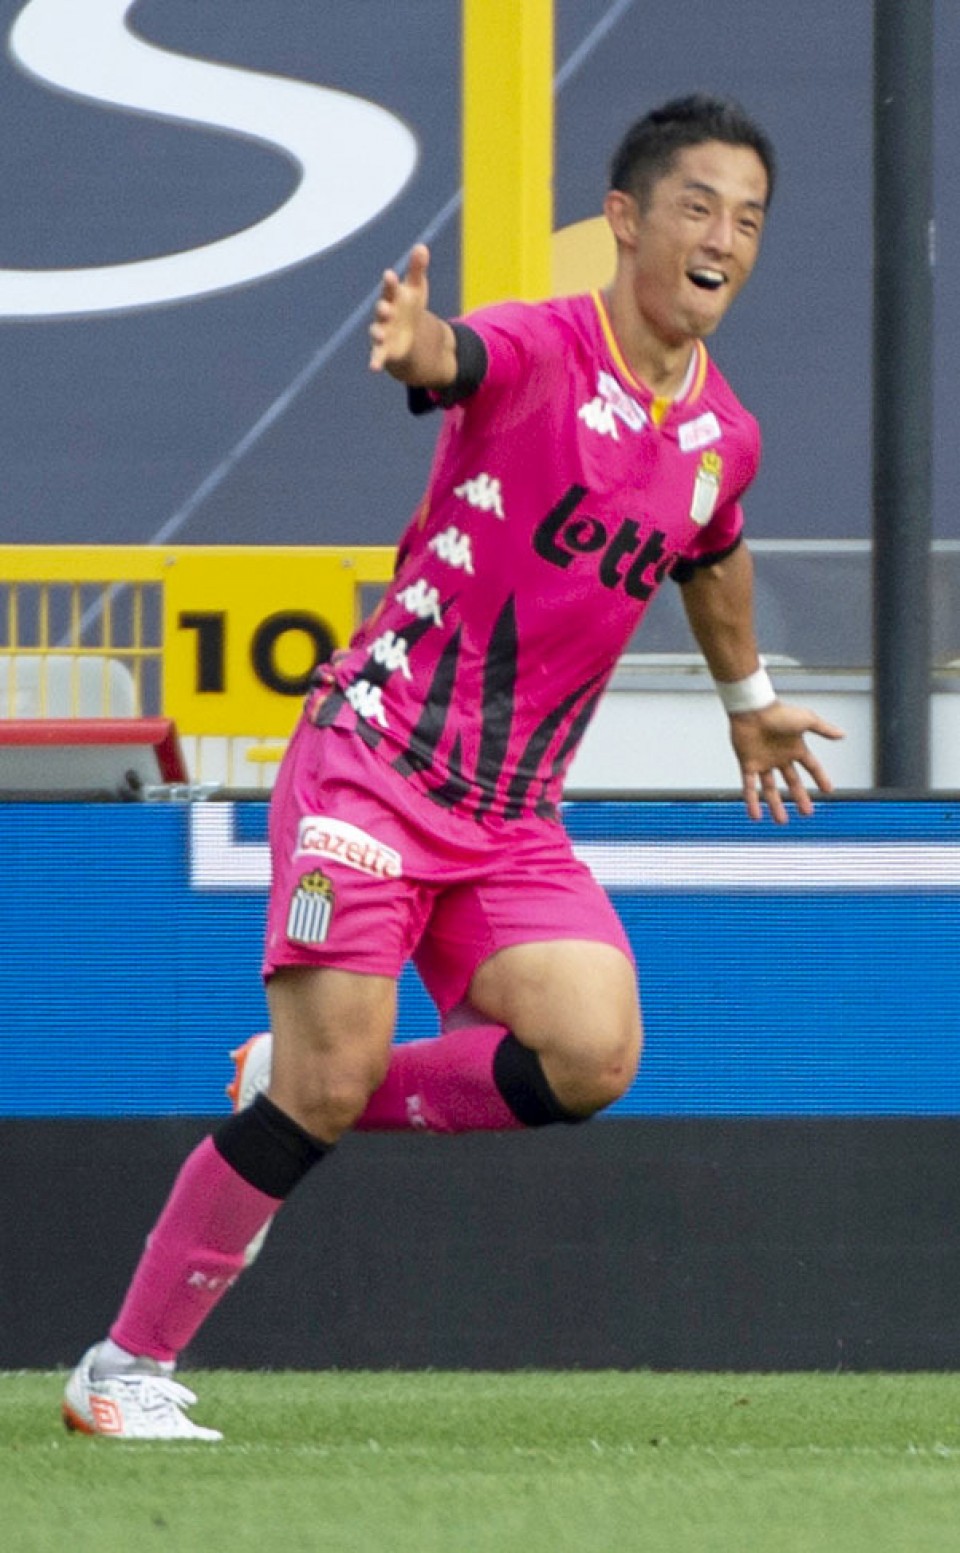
(685,570)
(471,371)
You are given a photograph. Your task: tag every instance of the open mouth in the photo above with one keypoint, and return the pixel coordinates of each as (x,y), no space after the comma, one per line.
(707,279)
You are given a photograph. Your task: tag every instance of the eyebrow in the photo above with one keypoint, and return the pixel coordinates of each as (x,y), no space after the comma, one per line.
(708,188)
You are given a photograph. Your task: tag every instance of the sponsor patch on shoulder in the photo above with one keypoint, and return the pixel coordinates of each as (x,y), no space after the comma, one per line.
(311,909)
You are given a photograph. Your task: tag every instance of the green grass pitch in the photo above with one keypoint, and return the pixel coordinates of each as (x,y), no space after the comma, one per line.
(490,1463)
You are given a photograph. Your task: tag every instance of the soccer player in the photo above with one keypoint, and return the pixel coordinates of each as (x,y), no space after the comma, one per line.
(588,450)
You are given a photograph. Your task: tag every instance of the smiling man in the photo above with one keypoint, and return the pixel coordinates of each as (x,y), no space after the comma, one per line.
(688,229)
(589,450)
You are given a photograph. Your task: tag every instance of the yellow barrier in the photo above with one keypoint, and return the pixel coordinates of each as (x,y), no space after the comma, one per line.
(220,638)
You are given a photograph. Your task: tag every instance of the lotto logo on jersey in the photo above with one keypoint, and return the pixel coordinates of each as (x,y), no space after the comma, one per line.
(337,840)
(565,535)
(311,909)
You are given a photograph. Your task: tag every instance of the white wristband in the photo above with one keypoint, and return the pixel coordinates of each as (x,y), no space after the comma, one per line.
(747,695)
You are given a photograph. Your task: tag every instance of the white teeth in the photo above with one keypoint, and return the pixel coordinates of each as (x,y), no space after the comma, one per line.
(706,277)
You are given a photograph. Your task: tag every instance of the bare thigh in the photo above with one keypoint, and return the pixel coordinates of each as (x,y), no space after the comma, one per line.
(575,1003)
(332,1031)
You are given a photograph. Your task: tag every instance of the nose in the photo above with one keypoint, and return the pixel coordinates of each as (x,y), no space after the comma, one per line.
(719,238)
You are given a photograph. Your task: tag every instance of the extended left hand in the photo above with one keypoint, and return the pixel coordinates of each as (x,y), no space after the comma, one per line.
(773,742)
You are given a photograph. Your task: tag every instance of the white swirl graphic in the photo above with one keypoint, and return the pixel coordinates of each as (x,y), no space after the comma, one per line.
(354,156)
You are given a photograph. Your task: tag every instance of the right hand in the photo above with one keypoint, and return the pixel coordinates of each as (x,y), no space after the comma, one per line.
(399,308)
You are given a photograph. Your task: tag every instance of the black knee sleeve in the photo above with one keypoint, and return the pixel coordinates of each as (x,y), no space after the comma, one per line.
(523,1086)
(267,1148)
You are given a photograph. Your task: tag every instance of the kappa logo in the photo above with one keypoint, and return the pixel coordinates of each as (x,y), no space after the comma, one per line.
(367,701)
(454,548)
(211,1281)
(414,1109)
(311,909)
(599,416)
(693,435)
(483,492)
(626,409)
(338,840)
(422,601)
(390,651)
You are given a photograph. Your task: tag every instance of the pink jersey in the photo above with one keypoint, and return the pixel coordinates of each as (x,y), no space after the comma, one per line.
(561,495)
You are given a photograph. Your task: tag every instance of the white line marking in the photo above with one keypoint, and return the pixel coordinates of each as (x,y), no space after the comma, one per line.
(354,157)
(219,862)
(360,314)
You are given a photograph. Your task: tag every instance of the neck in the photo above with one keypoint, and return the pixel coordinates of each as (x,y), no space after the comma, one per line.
(662,365)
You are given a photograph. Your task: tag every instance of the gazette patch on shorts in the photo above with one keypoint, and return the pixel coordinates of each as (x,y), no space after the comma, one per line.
(341,842)
(311,909)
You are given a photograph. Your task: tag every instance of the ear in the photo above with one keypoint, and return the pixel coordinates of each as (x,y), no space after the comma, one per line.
(622,215)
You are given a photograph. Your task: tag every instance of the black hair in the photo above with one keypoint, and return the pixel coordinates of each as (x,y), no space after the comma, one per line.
(649,148)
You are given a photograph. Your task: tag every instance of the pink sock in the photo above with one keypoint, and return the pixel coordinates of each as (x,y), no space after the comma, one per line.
(192,1256)
(442,1085)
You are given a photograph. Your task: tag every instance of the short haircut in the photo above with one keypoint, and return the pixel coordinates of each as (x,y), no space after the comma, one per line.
(650,147)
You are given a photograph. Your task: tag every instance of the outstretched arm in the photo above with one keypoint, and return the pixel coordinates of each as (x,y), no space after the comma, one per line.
(414,345)
(768,740)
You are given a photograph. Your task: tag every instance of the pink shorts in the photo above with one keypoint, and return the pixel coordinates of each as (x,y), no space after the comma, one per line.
(368,874)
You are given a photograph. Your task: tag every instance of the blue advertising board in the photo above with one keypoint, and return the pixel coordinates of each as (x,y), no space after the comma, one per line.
(809,970)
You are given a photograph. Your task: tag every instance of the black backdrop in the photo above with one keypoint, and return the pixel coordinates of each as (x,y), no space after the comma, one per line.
(656,1244)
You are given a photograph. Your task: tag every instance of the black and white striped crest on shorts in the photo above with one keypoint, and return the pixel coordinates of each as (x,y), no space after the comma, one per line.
(311,909)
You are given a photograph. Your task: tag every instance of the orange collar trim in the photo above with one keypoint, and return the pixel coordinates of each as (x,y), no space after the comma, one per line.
(660,406)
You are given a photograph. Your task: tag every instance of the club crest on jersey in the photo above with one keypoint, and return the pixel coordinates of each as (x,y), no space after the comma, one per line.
(311,909)
(706,489)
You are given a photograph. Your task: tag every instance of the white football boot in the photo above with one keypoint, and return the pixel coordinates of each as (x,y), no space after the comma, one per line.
(252,1074)
(251,1078)
(143,1402)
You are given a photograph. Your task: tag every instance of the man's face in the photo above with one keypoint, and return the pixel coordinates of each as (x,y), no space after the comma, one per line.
(694,246)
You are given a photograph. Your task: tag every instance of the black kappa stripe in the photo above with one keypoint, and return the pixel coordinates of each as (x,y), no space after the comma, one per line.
(499,690)
(545,808)
(420,752)
(457,787)
(528,770)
